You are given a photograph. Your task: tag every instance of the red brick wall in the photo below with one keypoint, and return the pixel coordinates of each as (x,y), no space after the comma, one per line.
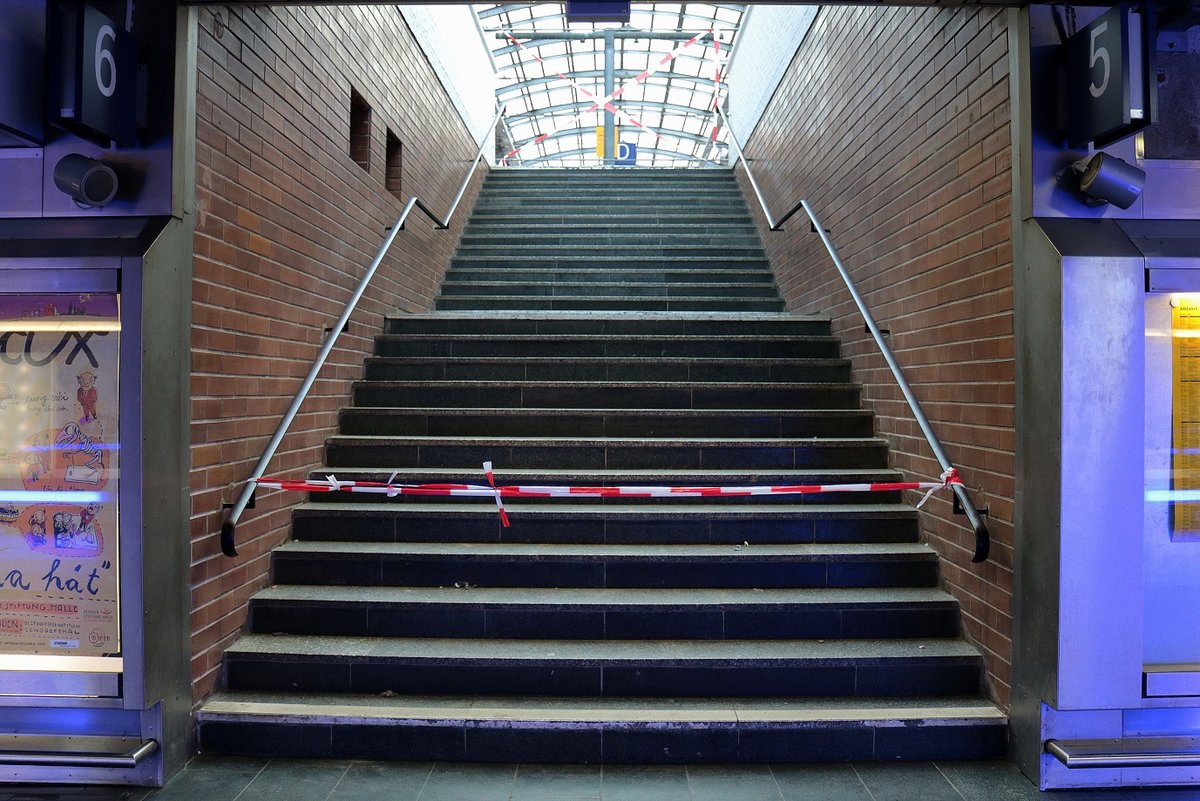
(286,224)
(894,123)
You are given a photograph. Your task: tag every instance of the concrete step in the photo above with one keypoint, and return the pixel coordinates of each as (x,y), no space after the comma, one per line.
(608,395)
(613,324)
(436,421)
(853,533)
(466,274)
(667,233)
(573,237)
(611,303)
(605,669)
(600,730)
(604,452)
(603,614)
(613,346)
(548,368)
(606,287)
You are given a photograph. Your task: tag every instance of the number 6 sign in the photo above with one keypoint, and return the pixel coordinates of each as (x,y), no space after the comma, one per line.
(94,94)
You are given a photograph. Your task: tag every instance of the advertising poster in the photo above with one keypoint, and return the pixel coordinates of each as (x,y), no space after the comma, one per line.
(1185,413)
(58,474)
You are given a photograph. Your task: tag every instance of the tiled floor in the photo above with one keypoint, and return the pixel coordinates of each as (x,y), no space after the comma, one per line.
(235,779)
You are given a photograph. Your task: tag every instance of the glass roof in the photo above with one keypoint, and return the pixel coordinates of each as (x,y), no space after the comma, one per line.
(665,87)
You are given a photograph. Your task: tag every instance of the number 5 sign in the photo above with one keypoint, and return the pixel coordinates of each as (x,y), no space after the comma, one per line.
(1109,68)
(95,89)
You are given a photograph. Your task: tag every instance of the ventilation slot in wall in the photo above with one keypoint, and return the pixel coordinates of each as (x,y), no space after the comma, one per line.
(360,130)
(395,152)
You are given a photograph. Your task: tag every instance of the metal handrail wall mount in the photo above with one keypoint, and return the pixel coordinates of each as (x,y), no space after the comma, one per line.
(963,498)
(235,509)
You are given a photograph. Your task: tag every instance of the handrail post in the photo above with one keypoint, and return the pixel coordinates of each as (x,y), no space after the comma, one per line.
(982,545)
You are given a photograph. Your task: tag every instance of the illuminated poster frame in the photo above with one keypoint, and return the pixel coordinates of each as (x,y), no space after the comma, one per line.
(61,495)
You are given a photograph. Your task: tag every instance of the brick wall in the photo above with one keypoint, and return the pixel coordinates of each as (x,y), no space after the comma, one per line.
(287,222)
(894,122)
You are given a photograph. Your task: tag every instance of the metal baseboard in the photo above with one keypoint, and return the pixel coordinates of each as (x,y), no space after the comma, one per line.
(75,752)
(1130,752)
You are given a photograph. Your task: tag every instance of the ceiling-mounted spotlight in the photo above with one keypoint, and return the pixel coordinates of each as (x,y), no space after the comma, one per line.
(87,181)
(1108,179)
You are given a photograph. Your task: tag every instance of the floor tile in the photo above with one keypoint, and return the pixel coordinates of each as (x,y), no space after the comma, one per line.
(724,782)
(989,781)
(372,781)
(291,780)
(906,781)
(545,782)
(211,779)
(819,783)
(468,782)
(645,783)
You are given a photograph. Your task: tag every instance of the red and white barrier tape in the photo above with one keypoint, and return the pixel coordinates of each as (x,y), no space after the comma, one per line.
(333,484)
(583,90)
(606,101)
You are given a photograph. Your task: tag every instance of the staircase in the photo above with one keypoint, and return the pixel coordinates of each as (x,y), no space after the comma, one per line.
(606,328)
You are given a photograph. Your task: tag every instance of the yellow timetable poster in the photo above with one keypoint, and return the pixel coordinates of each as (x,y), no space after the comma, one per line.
(1185,412)
(58,475)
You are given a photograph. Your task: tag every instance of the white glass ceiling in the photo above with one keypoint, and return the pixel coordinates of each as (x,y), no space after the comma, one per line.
(669,114)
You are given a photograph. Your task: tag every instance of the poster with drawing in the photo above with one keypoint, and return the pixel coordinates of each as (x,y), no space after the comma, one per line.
(58,474)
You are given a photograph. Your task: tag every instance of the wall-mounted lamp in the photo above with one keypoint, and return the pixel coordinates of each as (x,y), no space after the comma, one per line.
(87,181)
(1108,179)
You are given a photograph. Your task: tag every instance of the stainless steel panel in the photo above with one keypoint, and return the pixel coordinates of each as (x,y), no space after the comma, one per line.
(1103,331)
(1172,680)
(34,683)
(21,177)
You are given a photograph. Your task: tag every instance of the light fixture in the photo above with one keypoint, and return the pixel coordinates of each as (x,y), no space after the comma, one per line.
(88,182)
(1107,179)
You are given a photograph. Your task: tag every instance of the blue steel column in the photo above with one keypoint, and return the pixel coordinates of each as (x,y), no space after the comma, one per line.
(610,85)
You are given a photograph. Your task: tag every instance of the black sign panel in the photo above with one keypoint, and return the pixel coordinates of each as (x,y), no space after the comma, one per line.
(1109,68)
(95,88)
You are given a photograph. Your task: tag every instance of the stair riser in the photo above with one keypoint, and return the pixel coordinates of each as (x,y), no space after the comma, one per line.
(664,573)
(712,231)
(462,276)
(398,525)
(536,240)
(637,250)
(613,221)
(379,394)
(675,742)
(614,326)
(516,370)
(532,424)
(601,204)
(648,456)
(588,623)
(540,291)
(616,348)
(645,680)
(501,303)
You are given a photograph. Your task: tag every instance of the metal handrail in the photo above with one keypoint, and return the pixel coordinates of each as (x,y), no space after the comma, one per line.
(229,524)
(974,517)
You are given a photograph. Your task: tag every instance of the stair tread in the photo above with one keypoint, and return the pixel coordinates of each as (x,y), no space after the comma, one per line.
(657,442)
(346,707)
(606,551)
(721,385)
(459,650)
(605,597)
